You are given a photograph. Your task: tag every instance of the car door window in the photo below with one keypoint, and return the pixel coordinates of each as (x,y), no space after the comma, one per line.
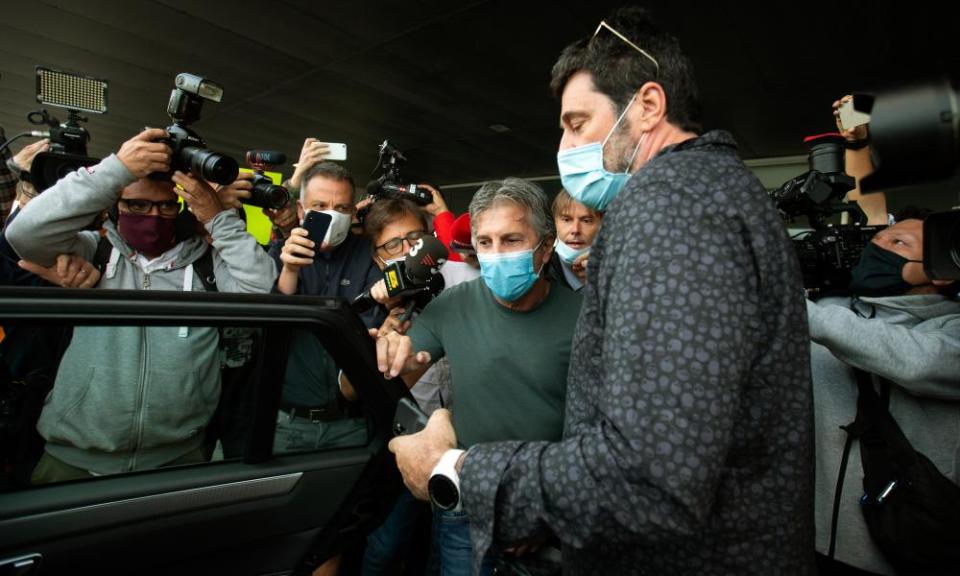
(80,402)
(313,413)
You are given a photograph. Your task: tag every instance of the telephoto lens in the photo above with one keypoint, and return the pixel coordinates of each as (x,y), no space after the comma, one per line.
(266,194)
(209,165)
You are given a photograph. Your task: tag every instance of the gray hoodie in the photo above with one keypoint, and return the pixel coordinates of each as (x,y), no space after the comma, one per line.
(913,341)
(134,397)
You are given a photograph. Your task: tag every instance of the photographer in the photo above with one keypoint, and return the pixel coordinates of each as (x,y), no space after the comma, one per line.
(313,267)
(96,400)
(285,220)
(344,269)
(902,327)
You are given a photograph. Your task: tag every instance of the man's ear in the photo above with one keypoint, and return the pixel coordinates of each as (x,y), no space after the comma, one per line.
(649,107)
(299,211)
(548,241)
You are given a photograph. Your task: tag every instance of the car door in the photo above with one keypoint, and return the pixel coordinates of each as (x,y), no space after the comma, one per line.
(257,510)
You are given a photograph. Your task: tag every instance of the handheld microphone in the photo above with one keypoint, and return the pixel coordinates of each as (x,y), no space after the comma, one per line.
(418,272)
(426,257)
(266,157)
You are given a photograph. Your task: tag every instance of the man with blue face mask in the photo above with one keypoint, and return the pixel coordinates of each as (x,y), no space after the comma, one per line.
(688,437)
(577,227)
(507,336)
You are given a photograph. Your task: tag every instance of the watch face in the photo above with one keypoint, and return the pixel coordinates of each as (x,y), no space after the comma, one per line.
(443,492)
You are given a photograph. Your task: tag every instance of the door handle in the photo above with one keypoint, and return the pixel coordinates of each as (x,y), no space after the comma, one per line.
(21,565)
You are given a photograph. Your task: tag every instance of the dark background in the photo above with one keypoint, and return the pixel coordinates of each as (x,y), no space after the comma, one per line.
(433,76)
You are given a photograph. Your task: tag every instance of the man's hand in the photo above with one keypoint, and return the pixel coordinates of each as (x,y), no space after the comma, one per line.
(363,205)
(379,293)
(142,155)
(392,324)
(856,134)
(285,218)
(70,271)
(297,250)
(418,454)
(313,152)
(199,196)
(579,266)
(395,354)
(24,158)
(231,194)
(438,205)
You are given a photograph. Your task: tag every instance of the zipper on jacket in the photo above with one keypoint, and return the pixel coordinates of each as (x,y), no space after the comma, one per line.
(141,395)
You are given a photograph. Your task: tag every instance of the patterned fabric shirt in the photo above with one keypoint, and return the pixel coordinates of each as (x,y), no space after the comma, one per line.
(688,437)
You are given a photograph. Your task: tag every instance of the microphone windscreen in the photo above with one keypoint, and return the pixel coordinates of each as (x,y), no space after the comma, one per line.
(271,157)
(425,258)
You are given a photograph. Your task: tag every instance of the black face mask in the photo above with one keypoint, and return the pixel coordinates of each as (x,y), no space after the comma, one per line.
(879,273)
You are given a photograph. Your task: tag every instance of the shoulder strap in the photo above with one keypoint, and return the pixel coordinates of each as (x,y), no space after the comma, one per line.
(204,269)
(102,256)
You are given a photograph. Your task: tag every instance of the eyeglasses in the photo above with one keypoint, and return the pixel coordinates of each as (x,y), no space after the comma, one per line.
(394,246)
(603,24)
(165,208)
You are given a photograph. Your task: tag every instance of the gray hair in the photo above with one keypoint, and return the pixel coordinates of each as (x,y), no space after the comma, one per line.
(329,170)
(518,191)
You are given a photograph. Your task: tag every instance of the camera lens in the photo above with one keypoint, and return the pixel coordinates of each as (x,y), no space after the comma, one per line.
(209,165)
(266,194)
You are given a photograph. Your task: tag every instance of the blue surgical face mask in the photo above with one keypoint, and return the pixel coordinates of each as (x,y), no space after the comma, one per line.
(566,253)
(583,174)
(509,275)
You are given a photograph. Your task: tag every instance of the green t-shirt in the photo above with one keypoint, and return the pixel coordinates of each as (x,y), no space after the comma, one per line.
(508,369)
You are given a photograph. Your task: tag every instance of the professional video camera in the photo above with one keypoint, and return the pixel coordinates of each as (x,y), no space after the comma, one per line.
(190,153)
(914,138)
(390,184)
(416,278)
(828,252)
(68,141)
(266,194)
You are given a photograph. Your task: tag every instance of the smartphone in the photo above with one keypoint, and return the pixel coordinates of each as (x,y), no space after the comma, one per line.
(409,418)
(337,151)
(316,225)
(850,118)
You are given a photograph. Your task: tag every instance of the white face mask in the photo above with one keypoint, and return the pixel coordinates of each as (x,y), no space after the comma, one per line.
(392,260)
(339,227)
(566,253)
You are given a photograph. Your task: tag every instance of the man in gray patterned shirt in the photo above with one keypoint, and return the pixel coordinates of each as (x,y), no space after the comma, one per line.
(688,436)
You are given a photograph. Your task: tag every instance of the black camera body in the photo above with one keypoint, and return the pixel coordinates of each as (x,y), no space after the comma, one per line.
(827,256)
(266,194)
(390,184)
(68,148)
(190,153)
(67,138)
(828,253)
(818,193)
